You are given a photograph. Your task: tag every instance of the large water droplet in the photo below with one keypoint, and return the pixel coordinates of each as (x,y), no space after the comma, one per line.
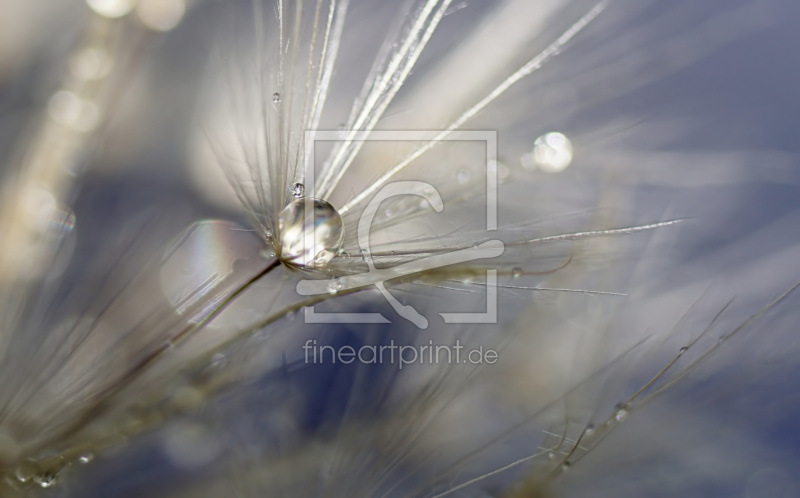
(621,414)
(298,190)
(552,152)
(312,232)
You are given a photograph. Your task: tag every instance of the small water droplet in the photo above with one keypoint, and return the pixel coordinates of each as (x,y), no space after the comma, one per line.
(25,472)
(565,466)
(336,285)
(462,176)
(552,153)
(589,430)
(298,190)
(45,479)
(344,255)
(365,255)
(268,233)
(551,455)
(517,272)
(683,350)
(311,242)
(86,458)
(621,414)
(276,98)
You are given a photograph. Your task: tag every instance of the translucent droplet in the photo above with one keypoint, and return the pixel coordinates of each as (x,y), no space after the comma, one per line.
(45,479)
(25,472)
(462,176)
(298,190)
(621,414)
(552,153)
(312,232)
(565,466)
(276,98)
(551,455)
(336,285)
(683,350)
(86,458)
(365,255)
(517,272)
(589,430)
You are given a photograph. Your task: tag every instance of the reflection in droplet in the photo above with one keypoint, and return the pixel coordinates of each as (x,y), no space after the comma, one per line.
(276,98)
(517,272)
(552,153)
(311,232)
(298,190)
(621,414)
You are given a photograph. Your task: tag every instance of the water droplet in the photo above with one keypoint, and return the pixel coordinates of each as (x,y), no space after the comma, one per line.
(268,233)
(25,472)
(45,479)
(683,350)
(551,455)
(312,232)
(86,458)
(589,430)
(276,98)
(517,272)
(621,414)
(365,255)
(565,466)
(552,153)
(462,176)
(336,285)
(344,255)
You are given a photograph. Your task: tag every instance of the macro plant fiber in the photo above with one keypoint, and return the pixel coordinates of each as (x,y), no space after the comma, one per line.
(417,248)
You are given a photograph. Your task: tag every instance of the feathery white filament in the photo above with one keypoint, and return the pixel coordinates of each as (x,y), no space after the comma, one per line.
(382,94)
(522,72)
